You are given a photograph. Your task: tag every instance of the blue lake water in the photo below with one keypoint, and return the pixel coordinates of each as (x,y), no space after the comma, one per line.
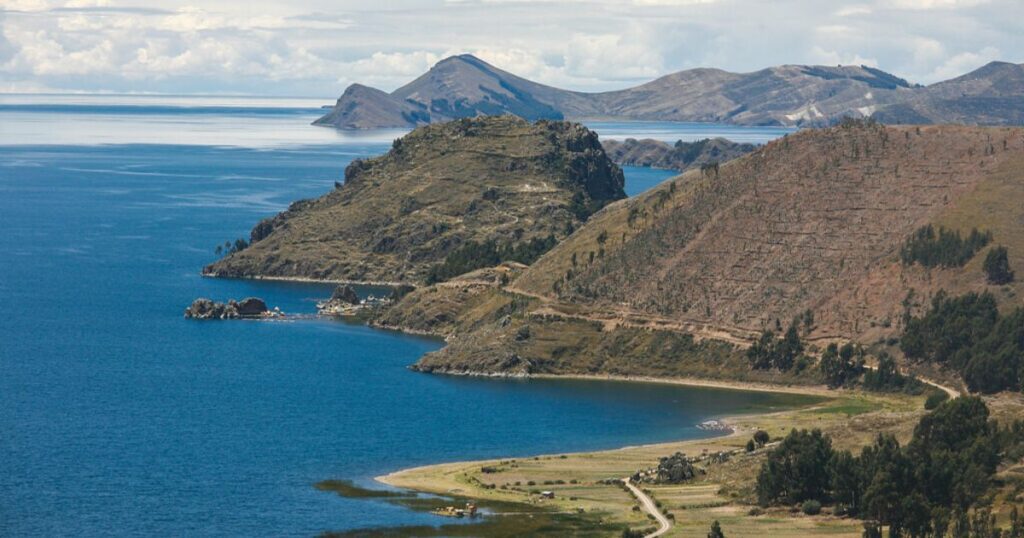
(119,417)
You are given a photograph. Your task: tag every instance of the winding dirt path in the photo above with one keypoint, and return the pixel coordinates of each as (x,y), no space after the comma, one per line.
(648,503)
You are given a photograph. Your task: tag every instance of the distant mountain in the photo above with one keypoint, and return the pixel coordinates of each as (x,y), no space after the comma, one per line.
(991,95)
(457,87)
(680,156)
(792,95)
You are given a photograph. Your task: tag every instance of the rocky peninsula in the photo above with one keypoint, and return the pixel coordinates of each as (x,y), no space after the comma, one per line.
(483,189)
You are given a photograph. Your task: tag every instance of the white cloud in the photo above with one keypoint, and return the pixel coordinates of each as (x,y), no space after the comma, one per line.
(854,10)
(965,62)
(597,56)
(831,57)
(934,4)
(316,47)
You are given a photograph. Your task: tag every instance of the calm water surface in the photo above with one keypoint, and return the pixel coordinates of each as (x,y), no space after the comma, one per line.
(118,417)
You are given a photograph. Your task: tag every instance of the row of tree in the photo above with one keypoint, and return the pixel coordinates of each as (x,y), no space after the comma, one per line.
(969,335)
(945,248)
(917,489)
(230,248)
(473,255)
(770,351)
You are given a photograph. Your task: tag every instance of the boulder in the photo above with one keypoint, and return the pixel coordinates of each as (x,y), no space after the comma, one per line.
(345,294)
(252,307)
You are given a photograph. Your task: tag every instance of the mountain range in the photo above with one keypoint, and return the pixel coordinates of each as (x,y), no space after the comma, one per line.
(790,95)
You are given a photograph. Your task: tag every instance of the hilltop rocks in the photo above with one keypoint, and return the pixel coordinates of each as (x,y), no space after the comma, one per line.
(249,308)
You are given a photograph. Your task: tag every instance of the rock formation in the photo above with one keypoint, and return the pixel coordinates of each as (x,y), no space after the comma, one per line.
(674,469)
(250,308)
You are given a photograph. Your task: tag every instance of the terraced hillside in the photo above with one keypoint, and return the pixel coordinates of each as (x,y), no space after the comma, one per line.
(678,281)
(494,179)
(813,221)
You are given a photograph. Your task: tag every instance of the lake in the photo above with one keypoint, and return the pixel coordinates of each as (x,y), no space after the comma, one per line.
(119,417)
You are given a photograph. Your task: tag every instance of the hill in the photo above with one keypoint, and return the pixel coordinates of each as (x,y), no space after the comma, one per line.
(680,156)
(810,226)
(499,181)
(457,87)
(793,95)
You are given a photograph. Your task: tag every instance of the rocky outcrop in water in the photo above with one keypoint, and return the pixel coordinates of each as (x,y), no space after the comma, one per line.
(343,300)
(249,308)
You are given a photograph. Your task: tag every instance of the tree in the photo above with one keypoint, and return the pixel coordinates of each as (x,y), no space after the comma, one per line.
(836,367)
(872,530)
(945,248)
(797,470)
(950,325)
(997,266)
(762,351)
(716,531)
(789,348)
(761,437)
(846,481)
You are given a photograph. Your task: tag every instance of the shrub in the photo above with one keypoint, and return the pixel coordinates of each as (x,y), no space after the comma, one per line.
(811,507)
(473,255)
(750,445)
(935,398)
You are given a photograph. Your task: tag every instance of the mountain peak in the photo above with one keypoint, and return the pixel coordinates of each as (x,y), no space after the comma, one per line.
(461,61)
(463,85)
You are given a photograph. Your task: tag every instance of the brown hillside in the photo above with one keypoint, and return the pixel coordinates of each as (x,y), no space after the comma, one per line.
(497,178)
(812,221)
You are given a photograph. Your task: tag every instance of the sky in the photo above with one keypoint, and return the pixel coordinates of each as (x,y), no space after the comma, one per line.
(315,48)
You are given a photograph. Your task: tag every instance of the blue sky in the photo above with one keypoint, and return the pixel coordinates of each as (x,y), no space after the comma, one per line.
(317,47)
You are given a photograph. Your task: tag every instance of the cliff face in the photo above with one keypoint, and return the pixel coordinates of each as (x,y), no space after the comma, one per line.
(494,178)
(680,156)
(797,95)
(666,283)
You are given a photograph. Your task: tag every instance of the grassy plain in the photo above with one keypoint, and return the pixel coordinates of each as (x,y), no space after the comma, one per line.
(580,482)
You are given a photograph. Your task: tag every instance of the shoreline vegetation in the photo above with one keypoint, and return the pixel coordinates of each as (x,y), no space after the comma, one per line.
(585,483)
